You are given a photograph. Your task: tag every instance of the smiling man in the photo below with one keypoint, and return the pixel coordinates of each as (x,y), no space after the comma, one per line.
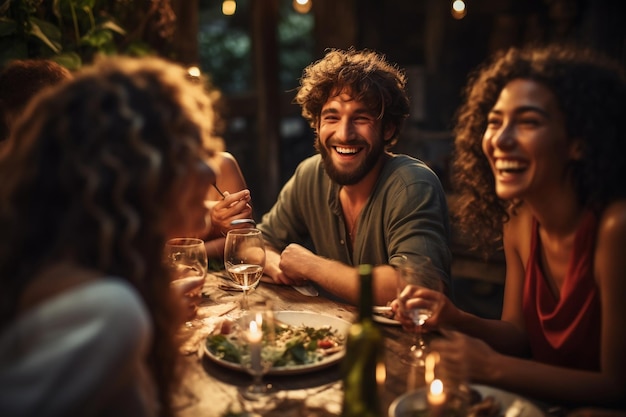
(355,202)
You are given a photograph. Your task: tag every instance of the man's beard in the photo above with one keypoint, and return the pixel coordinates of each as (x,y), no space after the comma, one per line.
(356,175)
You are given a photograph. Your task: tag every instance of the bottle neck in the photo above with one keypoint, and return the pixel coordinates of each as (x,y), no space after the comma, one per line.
(366,298)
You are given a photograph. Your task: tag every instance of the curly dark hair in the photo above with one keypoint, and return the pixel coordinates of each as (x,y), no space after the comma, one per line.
(20,80)
(591,92)
(366,75)
(90,173)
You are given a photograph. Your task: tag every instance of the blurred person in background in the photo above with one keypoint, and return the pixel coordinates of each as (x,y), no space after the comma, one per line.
(230,198)
(235,203)
(20,81)
(99,172)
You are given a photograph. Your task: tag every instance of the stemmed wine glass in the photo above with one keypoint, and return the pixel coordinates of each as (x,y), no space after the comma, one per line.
(412,276)
(244,259)
(187,260)
(259,352)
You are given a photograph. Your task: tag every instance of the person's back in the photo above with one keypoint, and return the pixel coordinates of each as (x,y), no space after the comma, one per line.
(98,325)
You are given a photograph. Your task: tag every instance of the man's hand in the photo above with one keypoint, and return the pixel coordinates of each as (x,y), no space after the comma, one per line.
(290,266)
(295,263)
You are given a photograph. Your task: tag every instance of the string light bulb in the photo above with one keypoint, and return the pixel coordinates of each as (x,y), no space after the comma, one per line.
(459,9)
(229,7)
(302,6)
(194,71)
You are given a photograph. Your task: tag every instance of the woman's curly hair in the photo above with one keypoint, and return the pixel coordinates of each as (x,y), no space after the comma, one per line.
(90,175)
(366,75)
(591,92)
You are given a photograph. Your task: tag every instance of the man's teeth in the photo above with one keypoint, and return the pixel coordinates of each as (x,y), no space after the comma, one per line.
(341,149)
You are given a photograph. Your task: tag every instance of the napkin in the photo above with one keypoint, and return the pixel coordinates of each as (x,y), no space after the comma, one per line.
(307,289)
(209,320)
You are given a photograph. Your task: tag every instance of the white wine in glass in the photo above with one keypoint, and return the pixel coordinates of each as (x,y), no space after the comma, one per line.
(244,259)
(413,275)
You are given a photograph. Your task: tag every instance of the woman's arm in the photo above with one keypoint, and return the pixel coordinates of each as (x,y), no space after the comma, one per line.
(235,204)
(605,387)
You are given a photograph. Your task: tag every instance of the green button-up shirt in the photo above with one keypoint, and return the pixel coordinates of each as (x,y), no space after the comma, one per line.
(407,214)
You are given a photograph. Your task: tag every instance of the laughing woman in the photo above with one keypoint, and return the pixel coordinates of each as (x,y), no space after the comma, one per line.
(539,166)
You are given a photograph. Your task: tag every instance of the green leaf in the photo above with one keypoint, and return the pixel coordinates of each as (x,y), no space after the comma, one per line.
(51,31)
(298,353)
(70,60)
(97,38)
(36,31)
(112,26)
(221,347)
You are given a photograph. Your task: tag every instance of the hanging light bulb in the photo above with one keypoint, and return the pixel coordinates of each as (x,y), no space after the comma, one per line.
(229,7)
(302,6)
(193,71)
(459,9)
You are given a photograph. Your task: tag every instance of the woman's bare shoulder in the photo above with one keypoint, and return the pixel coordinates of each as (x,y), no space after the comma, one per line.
(227,159)
(229,167)
(520,220)
(518,231)
(612,221)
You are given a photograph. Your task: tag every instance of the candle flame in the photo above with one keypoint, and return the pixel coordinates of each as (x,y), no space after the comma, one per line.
(436,387)
(255,334)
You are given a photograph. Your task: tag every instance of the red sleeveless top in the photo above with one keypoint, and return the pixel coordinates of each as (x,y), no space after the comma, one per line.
(565,332)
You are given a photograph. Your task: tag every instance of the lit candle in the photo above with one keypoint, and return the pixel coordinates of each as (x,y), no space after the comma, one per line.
(436,398)
(255,335)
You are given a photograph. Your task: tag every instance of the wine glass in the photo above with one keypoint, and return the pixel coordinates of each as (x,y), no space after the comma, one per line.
(413,275)
(187,260)
(244,259)
(259,351)
(447,389)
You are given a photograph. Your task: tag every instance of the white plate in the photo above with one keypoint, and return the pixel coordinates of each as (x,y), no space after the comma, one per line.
(385,320)
(298,318)
(382,319)
(412,401)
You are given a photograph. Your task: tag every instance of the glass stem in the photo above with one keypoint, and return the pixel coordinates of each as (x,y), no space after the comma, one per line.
(257,382)
(419,348)
(420,339)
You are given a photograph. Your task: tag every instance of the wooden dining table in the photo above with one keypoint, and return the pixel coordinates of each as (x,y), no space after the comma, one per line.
(211,389)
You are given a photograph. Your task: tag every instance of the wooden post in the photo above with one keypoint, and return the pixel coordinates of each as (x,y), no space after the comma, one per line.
(265,55)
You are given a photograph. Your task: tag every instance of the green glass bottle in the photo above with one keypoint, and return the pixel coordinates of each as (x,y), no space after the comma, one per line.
(363,367)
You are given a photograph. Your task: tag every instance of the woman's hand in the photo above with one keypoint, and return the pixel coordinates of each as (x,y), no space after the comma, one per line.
(233,206)
(461,353)
(189,291)
(414,297)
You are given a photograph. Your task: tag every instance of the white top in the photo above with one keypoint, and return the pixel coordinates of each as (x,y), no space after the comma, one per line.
(80,353)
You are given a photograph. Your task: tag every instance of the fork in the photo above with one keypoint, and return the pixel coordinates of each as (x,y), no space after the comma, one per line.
(218,190)
(239,221)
